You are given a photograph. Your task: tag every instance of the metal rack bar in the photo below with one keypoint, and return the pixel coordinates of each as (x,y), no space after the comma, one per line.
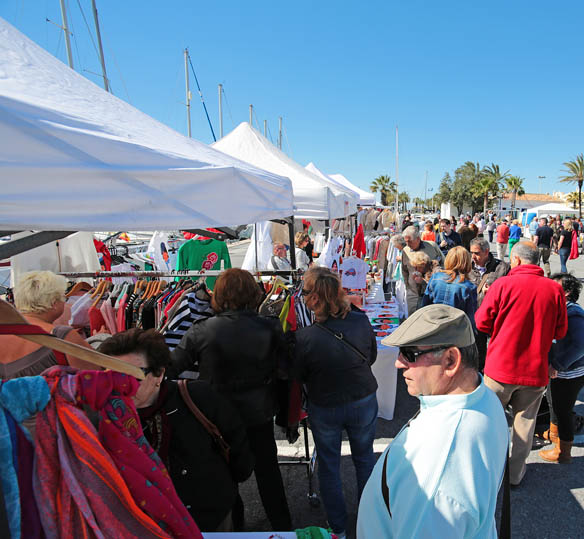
(175,273)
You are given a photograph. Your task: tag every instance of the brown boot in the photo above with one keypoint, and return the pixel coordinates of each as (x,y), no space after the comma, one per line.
(551,434)
(561,452)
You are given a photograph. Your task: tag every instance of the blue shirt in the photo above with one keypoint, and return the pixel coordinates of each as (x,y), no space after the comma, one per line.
(515,232)
(463,295)
(443,471)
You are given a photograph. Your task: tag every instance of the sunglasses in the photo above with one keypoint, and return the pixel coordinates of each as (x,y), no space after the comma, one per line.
(305,292)
(145,370)
(411,355)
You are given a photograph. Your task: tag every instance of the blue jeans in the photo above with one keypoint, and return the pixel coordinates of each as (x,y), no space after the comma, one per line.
(359,419)
(564,255)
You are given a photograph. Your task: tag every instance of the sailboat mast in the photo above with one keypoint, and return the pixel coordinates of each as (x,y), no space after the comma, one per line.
(251,115)
(221,111)
(66,31)
(280,134)
(101,57)
(188,92)
(396,168)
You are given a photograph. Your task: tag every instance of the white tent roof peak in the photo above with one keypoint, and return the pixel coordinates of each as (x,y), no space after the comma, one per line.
(366,198)
(314,197)
(74,157)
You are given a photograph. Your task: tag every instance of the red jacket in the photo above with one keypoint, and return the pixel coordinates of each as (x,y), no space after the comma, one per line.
(503,233)
(523,312)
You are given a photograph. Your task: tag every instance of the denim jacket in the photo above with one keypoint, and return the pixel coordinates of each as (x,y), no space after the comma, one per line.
(568,353)
(462,295)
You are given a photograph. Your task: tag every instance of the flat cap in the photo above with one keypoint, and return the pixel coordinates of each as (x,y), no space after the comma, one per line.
(433,325)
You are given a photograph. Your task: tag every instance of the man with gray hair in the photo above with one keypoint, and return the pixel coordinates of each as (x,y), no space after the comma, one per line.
(523,313)
(486,269)
(415,244)
(441,473)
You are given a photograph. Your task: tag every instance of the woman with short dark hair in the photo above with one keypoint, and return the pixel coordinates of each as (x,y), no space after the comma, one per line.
(333,359)
(567,360)
(237,352)
(204,481)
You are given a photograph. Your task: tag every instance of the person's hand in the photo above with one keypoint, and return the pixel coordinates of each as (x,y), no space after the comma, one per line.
(417,277)
(553,372)
(102,329)
(443,243)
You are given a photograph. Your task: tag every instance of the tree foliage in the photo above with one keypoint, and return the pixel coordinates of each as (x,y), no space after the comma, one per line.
(385,187)
(574,173)
(514,185)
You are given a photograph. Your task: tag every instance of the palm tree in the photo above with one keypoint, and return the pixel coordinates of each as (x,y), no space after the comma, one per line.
(403,199)
(575,174)
(573,198)
(488,183)
(514,185)
(385,187)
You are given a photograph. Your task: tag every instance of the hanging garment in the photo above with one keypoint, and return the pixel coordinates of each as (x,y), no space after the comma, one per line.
(203,255)
(354,273)
(19,399)
(105,257)
(73,253)
(359,242)
(195,305)
(574,247)
(111,485)
(263,240)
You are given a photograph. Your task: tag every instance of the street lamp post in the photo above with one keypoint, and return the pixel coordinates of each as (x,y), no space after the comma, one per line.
(540,178)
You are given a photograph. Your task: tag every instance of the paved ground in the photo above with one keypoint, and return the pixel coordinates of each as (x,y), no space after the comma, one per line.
(548,504)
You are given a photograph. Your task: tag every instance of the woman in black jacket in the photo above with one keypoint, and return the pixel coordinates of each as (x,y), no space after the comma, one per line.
(204,481)
(237,352)
(333,359)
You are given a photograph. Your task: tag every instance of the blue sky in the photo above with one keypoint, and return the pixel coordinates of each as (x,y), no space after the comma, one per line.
(498,81)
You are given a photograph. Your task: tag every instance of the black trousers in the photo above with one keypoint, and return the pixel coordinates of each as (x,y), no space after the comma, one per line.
(561,395)
(268,478)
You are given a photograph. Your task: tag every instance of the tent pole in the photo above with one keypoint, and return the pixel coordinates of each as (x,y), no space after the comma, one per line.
(220,111)
(66,31)
(292,244)
(255,235)
(101,57)
(188,92)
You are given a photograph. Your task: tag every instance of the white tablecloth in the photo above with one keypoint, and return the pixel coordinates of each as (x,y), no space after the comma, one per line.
(384,319)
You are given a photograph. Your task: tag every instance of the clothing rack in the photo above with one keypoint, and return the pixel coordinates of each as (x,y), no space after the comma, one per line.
(155,274)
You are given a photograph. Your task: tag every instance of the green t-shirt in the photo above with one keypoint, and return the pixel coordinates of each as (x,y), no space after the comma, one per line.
(203,255)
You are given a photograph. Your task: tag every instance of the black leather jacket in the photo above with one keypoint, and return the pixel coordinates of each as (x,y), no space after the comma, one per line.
(333,373)
(238,353)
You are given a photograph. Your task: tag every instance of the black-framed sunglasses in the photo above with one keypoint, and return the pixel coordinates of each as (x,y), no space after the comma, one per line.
(411,355)
(145,370)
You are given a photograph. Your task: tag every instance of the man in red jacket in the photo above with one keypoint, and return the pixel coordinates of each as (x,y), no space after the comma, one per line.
(523,312)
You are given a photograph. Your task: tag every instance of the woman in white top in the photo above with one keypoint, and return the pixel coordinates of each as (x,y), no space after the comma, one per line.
(302,240)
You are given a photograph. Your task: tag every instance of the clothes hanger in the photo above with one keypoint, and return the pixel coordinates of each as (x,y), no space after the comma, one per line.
(11,317)
(81,286)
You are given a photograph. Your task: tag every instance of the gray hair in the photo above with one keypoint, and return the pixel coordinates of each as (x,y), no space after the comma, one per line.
(526,251)
(413,233)
(482,244)
(398,239)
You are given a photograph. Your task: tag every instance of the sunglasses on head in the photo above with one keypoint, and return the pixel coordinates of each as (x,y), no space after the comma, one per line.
(145,370)
(411,355)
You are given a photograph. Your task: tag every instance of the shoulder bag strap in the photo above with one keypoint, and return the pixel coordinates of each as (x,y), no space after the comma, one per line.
(340,337)
(482,282)
(384,487)
(209,426)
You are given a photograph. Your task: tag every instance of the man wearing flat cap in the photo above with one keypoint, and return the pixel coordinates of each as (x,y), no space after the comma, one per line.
(441,474)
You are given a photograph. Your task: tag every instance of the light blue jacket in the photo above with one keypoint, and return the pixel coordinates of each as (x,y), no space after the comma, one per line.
(443,471)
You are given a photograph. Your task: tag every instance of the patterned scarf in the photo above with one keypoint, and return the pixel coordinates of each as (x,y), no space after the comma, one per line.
(113,485)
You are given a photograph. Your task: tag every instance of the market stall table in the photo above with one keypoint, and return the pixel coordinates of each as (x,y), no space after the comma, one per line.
(384,318)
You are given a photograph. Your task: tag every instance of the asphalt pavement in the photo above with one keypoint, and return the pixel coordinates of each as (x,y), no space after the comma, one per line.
(549,503)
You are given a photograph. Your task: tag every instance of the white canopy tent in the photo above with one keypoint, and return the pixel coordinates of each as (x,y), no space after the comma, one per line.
(366,198)
(74,157)
(553,209)
(350,193)
(314,197)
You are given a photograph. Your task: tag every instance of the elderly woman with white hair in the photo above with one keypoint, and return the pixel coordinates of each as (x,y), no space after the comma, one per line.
(40,297)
